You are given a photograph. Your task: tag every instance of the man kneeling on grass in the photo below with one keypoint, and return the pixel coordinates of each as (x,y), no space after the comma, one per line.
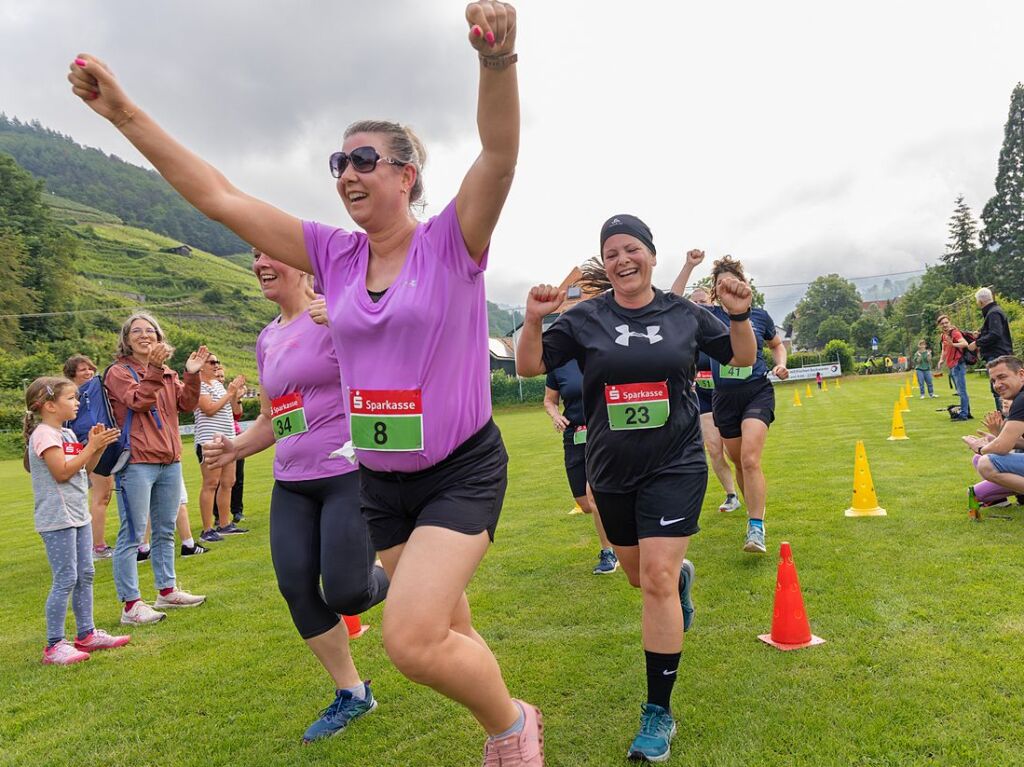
(999,463)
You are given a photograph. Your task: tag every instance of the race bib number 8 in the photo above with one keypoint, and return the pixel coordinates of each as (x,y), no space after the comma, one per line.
(637,406)
(729,371)
(288,416)
(386,419)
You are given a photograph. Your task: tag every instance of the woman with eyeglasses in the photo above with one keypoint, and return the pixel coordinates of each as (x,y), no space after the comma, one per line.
(319,541)
(141,387)
(638,347)
(413,352)
(213,416)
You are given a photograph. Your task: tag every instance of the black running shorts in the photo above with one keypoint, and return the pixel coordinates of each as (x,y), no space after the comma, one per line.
(576,468)
(464,493)
(665,506)
(734,404)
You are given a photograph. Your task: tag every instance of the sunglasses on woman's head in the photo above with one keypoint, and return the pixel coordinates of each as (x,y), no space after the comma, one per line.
(364,159)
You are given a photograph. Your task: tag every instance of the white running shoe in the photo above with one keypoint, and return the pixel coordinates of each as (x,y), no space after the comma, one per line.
(140,614)
(731,503)
(179,598)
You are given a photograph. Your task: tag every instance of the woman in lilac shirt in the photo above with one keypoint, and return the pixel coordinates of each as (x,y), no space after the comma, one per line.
(409,322)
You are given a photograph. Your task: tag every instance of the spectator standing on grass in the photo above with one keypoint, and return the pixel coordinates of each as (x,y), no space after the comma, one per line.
(237,504)
(82,372)
(58,464)
(149,487)
(213,417)
(994,338)
(923,368)
(953,345)
(999,463)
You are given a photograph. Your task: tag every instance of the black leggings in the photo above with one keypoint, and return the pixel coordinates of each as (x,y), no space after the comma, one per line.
(317,534)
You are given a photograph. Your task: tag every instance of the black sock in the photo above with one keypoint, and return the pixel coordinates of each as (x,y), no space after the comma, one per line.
(662,670)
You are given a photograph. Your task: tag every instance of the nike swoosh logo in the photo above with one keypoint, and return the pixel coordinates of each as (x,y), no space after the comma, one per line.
(669,673)
(667,522)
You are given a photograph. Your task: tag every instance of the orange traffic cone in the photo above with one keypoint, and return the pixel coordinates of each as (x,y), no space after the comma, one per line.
(898,430)
(356,628)
(865,502)
(796,398)
(790,628)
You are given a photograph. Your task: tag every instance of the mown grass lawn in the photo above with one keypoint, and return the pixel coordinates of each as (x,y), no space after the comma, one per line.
(923,612)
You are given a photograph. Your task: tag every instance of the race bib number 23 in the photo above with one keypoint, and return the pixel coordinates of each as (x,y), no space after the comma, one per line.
(386,419)
(637,405)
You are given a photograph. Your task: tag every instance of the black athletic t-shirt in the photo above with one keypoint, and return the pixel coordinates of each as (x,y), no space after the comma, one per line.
(568,382)
(1016,408)
(764,330)
(655,345)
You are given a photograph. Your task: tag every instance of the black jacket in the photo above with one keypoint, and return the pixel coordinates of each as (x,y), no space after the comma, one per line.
(994,338)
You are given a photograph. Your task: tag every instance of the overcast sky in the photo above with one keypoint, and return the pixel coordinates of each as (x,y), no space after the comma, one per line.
(803,138)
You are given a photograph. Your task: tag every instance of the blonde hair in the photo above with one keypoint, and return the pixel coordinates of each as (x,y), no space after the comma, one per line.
(42,390)
(404,146)
(124,348)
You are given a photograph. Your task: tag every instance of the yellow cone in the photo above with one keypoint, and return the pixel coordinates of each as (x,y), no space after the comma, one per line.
(904,406)
(898,431)
(808,394)
(865,502)
(824,384)
(837,384)
(796,398)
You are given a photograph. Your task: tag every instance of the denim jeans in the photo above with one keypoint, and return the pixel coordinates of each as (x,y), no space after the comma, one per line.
(958,375)
(924,377)
(146,491)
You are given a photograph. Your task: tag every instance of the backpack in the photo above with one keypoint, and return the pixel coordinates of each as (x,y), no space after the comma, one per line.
(93,408)
(116,455)
(970,357)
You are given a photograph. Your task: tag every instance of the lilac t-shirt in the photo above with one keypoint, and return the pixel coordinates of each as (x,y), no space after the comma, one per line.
(428,331)
(299,357)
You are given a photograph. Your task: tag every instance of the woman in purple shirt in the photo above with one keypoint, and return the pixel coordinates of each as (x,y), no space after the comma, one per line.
(323,557)
(409,322)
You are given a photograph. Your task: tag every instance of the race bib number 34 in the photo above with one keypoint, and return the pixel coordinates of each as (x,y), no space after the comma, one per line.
(386,419)
(637,406)
(288,416)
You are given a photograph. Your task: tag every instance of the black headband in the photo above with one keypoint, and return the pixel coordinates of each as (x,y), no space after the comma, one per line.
(627,224)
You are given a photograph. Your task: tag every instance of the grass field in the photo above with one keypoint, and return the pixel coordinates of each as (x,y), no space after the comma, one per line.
(922,611)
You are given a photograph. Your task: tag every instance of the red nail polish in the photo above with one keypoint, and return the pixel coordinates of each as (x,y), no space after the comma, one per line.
(490,38)
(477,31)
(80,62)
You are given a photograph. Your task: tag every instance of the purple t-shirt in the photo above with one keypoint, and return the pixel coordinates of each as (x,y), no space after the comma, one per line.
(428,332)
(299,357)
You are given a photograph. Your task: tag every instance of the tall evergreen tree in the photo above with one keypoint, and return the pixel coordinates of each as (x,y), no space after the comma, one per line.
(961,254)
(1003,215)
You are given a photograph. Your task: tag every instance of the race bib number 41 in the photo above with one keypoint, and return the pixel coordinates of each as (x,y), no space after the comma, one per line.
(637,406)
(730,371)
(386,419)
(288,416)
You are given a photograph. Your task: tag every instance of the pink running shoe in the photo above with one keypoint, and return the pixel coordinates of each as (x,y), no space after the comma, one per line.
(63,654)
(101,640)
(523,749)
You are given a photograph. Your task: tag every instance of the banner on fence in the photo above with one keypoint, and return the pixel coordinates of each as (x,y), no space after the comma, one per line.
(830,370)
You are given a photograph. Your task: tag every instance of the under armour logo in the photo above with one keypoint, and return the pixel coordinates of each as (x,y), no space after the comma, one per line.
(625,334)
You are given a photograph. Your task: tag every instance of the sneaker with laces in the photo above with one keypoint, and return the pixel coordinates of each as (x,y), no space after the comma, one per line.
(142,556)
(607,563)
(520,749)
(179,598)
(101,640)
(231,529)
(686,573)
(63,654)
(755,540)
(193,550)
(337,716)
(210,536)
(102,552)
(140,614)
(731,503)
(654,741)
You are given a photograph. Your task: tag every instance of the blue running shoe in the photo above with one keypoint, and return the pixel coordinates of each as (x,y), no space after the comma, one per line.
(337,716)
(607,563)
(686,573)
(654,741)
(754,542)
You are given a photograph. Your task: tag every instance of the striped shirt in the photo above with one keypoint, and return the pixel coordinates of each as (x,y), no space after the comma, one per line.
(221,422)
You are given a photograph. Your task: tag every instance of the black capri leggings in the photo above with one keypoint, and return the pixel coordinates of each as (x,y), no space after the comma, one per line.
(318,535)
